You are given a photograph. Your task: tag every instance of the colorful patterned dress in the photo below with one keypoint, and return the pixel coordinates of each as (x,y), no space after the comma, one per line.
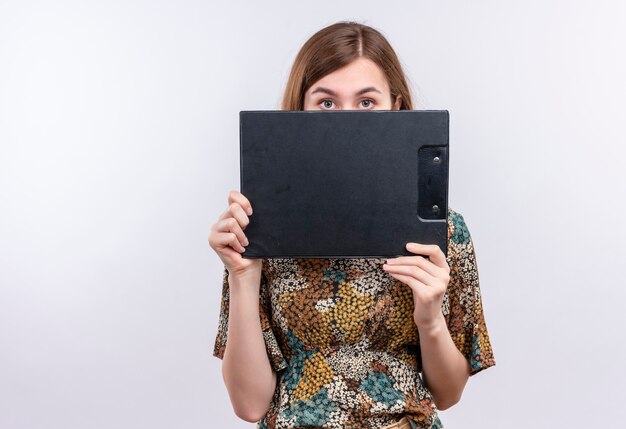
(341,337)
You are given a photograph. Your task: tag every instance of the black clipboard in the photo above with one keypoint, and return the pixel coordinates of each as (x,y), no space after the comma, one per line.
(344,184)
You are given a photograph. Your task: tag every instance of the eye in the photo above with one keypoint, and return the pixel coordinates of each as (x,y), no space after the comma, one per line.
(326,104)
(367,103)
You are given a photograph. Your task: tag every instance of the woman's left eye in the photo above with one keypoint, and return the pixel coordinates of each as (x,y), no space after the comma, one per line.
(366,103)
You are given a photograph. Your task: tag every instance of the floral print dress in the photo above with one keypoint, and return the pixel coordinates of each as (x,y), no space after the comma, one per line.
(341,337)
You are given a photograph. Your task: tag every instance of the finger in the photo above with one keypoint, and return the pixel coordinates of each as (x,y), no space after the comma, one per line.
(226,240)
(238,197)
(225,214)
(431,250)
(230,225)
(410,270)
(238,213)
(419,261)
(409,281)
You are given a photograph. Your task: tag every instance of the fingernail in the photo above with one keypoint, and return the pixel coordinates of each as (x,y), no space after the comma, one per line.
(250,211)
(246,242)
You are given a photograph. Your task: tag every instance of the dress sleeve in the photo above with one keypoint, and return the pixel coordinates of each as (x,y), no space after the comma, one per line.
(274,352)
(463,307)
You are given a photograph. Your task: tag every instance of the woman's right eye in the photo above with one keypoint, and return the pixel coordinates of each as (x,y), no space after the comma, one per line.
(326,104)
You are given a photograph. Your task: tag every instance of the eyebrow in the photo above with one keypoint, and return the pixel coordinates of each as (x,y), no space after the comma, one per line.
(334,94)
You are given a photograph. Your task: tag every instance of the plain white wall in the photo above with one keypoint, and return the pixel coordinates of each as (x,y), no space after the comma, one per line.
(119,143)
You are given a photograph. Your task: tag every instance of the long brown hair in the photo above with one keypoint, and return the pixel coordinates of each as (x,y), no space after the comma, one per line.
(336,46)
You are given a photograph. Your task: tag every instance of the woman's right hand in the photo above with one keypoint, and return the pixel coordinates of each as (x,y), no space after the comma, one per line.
(229,241)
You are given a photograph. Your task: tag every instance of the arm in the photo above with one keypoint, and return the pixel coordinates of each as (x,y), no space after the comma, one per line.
(445,370)
(248,375)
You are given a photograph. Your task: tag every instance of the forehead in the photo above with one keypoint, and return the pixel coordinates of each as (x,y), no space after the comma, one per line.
(360,73)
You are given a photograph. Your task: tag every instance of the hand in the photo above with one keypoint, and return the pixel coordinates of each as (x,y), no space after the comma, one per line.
(427,277)
(228,240)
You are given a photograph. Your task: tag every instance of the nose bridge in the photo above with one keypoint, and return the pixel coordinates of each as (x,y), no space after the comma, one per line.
(347,102)
(342,101)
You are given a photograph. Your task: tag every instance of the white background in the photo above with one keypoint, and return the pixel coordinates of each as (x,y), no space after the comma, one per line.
(119,143)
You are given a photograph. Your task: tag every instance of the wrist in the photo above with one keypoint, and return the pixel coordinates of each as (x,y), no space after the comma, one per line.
(434,327)
(244,283)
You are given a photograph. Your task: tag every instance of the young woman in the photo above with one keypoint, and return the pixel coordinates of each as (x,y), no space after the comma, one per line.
(341,343)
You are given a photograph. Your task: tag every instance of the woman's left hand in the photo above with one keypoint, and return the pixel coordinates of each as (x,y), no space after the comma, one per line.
(427,277)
